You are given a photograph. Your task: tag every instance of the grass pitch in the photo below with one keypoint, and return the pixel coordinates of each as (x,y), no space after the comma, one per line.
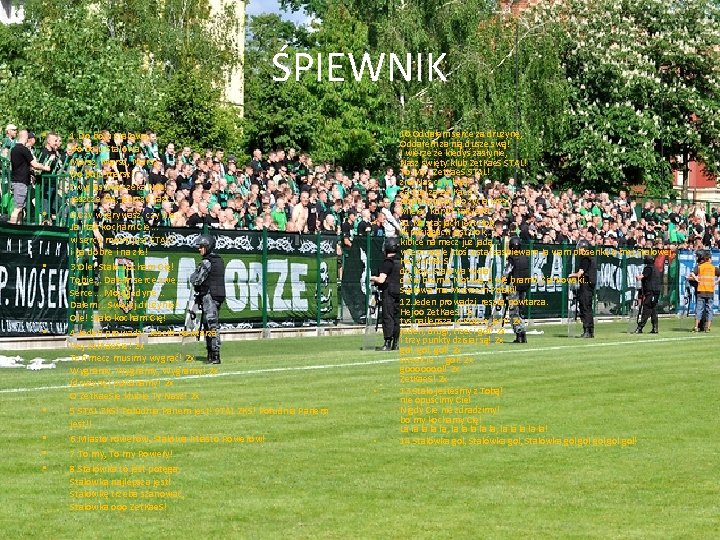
(337,468)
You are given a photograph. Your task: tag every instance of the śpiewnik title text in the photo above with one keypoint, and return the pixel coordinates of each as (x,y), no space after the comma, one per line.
(330,66)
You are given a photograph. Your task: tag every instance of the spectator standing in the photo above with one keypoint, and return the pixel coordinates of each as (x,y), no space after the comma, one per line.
(22,162)
(10,140)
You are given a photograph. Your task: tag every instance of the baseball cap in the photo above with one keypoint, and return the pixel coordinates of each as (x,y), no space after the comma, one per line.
(11,126)
(31,135)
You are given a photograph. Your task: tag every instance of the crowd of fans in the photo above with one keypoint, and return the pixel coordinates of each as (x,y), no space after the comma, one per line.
(135,180)
(471,204)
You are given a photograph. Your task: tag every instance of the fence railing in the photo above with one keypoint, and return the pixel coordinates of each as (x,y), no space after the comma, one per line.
(464,279)
(63,279)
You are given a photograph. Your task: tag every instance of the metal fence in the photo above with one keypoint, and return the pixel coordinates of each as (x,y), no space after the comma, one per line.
(463,276)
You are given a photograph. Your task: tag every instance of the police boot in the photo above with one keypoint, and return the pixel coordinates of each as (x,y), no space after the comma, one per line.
(523,337)
(654,329)
(395,345)
(388,345)
(518,338)
(638,330)
(214,357)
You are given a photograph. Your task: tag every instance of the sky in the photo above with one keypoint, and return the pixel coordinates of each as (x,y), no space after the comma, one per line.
(256,7)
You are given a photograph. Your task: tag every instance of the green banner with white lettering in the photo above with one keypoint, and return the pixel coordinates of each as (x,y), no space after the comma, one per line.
(144,279)
(448,280)
(33,280)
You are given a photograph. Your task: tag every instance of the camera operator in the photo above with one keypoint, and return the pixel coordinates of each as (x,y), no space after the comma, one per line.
(705,274)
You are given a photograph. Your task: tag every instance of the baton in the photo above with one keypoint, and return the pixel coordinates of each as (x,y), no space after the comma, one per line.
(378,313)
(640,302)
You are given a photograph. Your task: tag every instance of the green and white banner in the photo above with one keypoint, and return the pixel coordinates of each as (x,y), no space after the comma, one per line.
(145,279)
(33,281)
(459,279)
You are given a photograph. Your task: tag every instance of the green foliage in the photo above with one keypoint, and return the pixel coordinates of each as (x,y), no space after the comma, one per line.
(177,33)
(116,64)
(276,114)
(481,92)
(191,114)
(74,77)
(344,122)
(644,77)
(353,110)
(11,50)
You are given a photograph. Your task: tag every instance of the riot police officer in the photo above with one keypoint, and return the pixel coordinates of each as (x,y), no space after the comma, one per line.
(586,275)
(517,277)
(388,280)
(651,282)
(209,282)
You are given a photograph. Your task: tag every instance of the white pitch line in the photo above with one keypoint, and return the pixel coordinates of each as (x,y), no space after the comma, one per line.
(205,376)
(583,344)
(512,350)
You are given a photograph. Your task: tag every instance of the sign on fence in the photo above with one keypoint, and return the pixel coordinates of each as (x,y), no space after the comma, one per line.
(33,281)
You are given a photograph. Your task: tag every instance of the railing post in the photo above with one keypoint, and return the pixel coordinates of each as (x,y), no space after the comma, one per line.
(413,263)
(318,287)
(368,270)
(456,259)
(529,292)
(264,280)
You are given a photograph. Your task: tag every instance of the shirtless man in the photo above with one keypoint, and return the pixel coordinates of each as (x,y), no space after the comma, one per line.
(299,218)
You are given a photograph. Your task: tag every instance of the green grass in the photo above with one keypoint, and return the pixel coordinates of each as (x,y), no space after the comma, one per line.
(346,475)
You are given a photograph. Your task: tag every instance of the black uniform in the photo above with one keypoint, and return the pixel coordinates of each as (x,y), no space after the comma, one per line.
(518,274)
(391,267)
(209,282)
(651,283)
(586,293)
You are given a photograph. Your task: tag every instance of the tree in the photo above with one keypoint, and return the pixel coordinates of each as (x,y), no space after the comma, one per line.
(645,88)
(175,33)
(191,113)
(95,64)
(344,122)
(503,74)
(355,113)
(73,77)
(276,113)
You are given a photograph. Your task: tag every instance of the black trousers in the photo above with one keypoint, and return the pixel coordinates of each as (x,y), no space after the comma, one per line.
(649,309)
(585,306)
(391,316)
(211,321)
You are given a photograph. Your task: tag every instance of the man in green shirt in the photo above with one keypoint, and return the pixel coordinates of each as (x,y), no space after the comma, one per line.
(278,214)
(391,187)
(445,183)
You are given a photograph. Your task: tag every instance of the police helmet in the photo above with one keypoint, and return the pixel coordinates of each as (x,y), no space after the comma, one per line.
(648,259)
(207,241)
(515,243)
(583,244)
(392,244)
